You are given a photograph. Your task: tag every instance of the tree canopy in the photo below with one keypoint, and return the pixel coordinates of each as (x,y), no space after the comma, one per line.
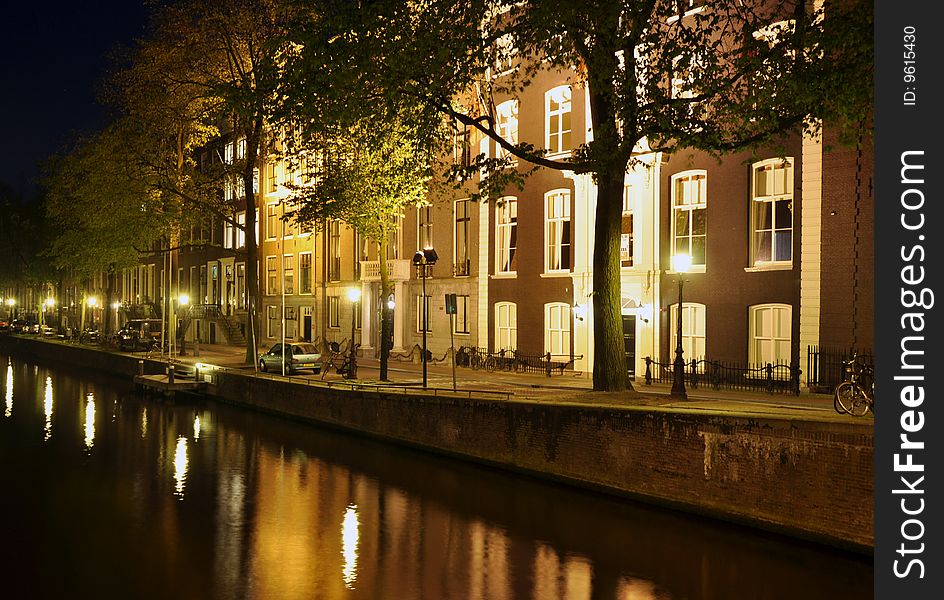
(660,76)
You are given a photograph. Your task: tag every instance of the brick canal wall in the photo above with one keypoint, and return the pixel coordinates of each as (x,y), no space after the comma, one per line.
(806,478)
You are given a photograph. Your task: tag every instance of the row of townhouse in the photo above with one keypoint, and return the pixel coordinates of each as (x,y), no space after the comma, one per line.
(781,245)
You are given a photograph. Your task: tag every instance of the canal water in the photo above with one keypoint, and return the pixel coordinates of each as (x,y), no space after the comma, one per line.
(104,494)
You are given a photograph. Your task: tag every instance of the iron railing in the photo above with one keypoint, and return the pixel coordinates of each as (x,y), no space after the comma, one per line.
(825,368)
(514,360)
(771,378)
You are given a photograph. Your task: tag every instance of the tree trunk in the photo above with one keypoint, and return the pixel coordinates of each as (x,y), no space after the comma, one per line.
(609,357)
(252,251)
(109,294)
(386,288)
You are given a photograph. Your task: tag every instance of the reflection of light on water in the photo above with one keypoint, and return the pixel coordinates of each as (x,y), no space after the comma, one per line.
(143,422)
(90,421)
(349,536)
(180,465)
(196,427)
(9,408)
(47,406)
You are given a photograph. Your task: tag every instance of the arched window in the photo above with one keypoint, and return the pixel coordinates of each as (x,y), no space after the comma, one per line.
(693,330)
(557,125)
(771,331)
(557,328)
(506,326)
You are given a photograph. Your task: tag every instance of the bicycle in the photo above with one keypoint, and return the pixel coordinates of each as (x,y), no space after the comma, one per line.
(856,395)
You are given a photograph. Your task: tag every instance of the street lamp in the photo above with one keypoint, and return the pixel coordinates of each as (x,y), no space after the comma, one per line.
(423,260)
(681,263)
(354,295)
(92,301)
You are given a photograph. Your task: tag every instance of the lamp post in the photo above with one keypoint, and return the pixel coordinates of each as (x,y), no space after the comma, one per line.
(354,295)
(681,263)
(92,301)
(423,260)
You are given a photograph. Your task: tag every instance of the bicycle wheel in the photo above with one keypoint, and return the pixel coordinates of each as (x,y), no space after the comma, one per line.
(860,402)
(843,397)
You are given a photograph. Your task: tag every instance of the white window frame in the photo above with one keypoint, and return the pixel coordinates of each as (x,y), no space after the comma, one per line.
(424,227)
(272,275)
(461,320)
(288,273)
(334,312)
(506,235)
(777,191)
(272,221)
(301,289)
(627,240)
(695,198)
(557,328)
(506,326)
(419,305)
(556,214)
(461,258)
(506,124)
(694,326)
(272,316)
(229,235)
(558,141)
(773,346)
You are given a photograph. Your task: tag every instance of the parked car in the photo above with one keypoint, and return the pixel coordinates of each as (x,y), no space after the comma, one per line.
(139,334)
(297,357)
(20,326)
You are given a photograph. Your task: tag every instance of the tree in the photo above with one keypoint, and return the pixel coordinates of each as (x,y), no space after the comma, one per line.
(366,174)
(101,208)
(208,68)
(659,78)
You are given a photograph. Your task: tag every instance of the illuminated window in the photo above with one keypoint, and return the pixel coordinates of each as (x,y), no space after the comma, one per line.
(772,211)
(462,264)
(771,331)
(627,251)
(272,221)
(506,234)
(557,328)
(334,317)
(424,227)
(506,326)
(557,231)
(304,273)
(462,315)
(557,119)
(334,250)
(288,275)
(422,313)
(689,223)
(506,124)
(693,330)
(272,275)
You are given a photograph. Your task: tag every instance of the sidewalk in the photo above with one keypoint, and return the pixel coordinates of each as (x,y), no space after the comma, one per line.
(557,388)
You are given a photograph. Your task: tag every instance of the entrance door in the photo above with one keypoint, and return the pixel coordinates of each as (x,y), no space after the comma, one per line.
(306,323)
(629,343)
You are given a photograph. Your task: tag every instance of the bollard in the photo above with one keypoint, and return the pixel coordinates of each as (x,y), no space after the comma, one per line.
(140,367)
(170,373)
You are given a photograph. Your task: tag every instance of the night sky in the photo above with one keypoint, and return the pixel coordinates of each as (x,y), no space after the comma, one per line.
(53,56)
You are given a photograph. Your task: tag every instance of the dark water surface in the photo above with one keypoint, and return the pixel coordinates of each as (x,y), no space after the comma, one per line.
(106,495)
